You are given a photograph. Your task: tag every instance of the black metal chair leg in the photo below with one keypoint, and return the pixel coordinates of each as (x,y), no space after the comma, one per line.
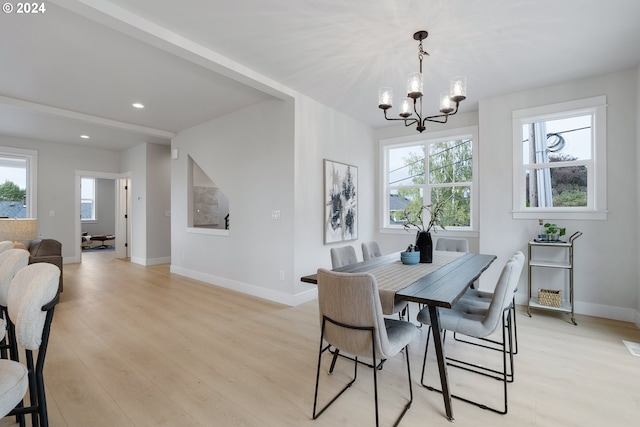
(33,389)
(513,341)
(503,376)
(315,398)
(333,361)
(515,326)
(375,367)
(336,353)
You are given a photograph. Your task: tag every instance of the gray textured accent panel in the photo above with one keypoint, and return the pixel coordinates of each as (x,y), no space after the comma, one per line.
(205,206)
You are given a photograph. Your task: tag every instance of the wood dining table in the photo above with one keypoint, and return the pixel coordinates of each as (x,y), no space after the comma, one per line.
(438,285)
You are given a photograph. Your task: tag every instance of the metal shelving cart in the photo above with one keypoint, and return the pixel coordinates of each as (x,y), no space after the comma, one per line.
(567,306)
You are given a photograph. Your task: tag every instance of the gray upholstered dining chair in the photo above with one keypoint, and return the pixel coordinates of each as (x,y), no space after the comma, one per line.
(452,245)
(33,294)
(482,299)
(343,256)
(370,250)
(352,322)
(346,255)
(480,323)
(11,261)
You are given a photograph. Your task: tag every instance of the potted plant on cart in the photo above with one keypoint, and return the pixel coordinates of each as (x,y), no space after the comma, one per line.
(554,232)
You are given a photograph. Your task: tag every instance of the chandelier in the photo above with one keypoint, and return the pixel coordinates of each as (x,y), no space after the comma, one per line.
(457,93)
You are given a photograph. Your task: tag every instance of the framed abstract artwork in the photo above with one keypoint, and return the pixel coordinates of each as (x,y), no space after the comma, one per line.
(340,202)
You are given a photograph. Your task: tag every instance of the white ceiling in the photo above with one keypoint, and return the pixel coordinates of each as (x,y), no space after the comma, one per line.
(76,68)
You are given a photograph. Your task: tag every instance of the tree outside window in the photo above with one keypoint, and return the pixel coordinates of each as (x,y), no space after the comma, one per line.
(14,181)
(560,161)
(557,154)
(435,171)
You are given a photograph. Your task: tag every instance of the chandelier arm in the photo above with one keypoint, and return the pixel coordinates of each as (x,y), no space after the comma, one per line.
(407,121)
(438,118)
(443,119)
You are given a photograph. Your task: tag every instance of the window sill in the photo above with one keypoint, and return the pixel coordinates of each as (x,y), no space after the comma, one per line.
(467,232)
(561,214)
(209,231)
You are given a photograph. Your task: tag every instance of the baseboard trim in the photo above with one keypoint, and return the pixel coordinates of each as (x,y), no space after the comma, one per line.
(150,261)
(247,288)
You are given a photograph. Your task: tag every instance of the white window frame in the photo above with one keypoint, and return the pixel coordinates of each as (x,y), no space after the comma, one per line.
(596,166)
(94,218)
(31,157)
(470,132)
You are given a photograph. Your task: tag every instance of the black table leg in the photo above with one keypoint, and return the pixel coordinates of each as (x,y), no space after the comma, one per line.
(442,363)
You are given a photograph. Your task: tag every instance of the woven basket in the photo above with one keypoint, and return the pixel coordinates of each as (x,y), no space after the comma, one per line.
(550,297)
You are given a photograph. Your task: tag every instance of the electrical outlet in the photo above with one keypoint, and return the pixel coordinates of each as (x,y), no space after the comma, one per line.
(281,274)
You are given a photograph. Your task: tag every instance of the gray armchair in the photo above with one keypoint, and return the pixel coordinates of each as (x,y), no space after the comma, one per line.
(47,250)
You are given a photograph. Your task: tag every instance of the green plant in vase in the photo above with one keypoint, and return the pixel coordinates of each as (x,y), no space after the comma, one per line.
(554,232)
(413,217)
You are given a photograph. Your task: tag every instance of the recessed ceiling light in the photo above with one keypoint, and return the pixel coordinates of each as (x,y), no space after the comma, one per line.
(137,105)
(84,136)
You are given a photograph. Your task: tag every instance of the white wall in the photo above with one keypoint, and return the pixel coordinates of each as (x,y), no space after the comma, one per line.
(134,161)
(57,166)
(158,206)
(149,167)
(606,258)
(323,133)
(249,155)
(274,162)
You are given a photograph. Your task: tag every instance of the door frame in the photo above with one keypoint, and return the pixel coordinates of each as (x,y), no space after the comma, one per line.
(123,212)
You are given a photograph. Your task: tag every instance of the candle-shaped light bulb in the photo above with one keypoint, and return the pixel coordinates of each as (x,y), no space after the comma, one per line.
(385,98)
(414,85)
(445,103)
(458,89)
(405,108)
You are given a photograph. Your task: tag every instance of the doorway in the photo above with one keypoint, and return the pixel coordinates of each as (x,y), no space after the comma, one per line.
(103,213)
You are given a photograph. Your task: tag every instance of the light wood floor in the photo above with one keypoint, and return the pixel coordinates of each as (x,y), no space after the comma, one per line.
(139,346)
